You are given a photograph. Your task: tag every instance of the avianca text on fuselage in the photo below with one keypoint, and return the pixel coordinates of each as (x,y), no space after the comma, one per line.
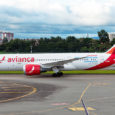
(18,59)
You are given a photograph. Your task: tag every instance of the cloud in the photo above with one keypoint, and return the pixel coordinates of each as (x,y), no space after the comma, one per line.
(56,15)
(78,12)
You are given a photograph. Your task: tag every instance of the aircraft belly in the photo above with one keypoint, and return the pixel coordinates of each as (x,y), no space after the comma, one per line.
(10,67)
(112,67)
(79,65)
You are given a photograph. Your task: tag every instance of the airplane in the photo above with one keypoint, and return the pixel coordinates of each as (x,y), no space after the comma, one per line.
(34,64)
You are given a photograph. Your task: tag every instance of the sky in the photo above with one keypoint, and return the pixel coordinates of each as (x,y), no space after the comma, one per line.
(57,16)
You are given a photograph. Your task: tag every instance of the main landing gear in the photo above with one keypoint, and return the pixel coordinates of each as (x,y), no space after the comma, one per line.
(58,74)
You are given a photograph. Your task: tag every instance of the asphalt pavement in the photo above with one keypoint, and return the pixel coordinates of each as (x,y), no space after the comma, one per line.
(67,95)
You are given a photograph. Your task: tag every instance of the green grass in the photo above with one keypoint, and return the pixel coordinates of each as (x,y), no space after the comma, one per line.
(67,72)
(11,72)
(88,72)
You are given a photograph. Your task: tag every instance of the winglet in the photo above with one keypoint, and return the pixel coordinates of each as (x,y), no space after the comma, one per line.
(111,50)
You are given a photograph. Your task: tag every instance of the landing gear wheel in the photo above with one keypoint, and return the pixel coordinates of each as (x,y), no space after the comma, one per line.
(54,75)
(59,74)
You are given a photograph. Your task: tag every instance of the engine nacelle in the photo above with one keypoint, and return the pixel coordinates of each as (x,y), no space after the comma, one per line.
(32,69)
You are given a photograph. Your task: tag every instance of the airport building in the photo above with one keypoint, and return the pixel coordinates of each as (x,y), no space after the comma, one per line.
(111,36)
(7,35)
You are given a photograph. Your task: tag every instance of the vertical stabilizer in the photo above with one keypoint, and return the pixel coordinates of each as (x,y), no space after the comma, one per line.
(111,50)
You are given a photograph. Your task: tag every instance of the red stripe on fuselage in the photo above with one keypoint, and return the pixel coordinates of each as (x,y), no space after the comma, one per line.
(104,64)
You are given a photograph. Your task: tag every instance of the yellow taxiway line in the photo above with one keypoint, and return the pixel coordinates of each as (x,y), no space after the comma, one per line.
(81,109)
(34,90)
(62,107)
(83,93)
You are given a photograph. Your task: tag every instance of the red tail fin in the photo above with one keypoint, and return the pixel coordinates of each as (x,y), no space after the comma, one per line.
(111,50)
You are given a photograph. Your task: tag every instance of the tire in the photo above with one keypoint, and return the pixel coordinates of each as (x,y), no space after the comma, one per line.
(54,75)
(59,74)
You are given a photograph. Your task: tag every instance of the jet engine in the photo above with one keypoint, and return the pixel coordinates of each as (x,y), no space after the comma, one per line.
(32,69)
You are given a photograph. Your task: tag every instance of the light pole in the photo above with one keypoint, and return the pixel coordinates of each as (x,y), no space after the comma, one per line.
(31,49)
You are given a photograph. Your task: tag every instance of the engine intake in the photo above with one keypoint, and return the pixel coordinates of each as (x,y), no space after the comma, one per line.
(32,69)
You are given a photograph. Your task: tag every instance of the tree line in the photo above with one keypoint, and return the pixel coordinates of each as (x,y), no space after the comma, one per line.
(58,44)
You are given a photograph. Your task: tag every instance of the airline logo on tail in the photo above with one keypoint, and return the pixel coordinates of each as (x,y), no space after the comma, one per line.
(111,50)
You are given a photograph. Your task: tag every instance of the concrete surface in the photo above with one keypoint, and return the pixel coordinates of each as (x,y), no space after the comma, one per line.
(45,95)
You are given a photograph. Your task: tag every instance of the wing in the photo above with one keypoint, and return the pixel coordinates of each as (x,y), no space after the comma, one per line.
(61,63)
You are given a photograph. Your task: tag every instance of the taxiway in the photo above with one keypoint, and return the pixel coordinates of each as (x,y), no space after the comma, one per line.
(45,95)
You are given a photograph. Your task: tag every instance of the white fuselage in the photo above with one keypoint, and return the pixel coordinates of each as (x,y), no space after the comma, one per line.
(17,61)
